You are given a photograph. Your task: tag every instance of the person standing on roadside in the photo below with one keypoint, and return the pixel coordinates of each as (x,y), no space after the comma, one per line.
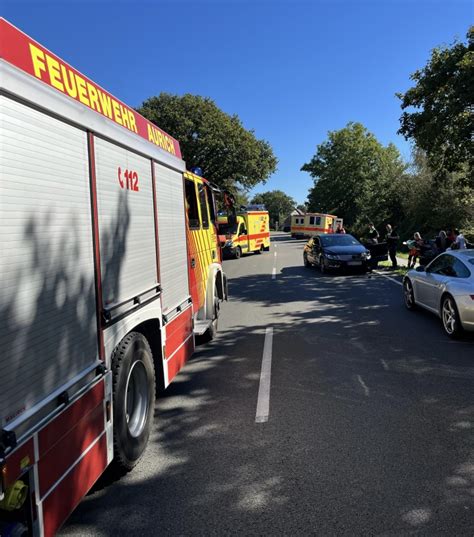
(441,242)
(373,234)
(450,238)
(392,242)
(415,250)
(459,241)
(340,229)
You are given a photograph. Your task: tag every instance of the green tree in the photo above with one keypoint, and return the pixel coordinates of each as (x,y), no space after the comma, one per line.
(429,205)
(278,204)
(228,154)
(438,109)
(356,177)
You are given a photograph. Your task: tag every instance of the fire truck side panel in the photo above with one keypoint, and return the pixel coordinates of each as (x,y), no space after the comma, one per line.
(172,239)
(48,326)
(126,226)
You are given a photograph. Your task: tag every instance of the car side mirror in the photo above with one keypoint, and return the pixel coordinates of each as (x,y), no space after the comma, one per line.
(421,268)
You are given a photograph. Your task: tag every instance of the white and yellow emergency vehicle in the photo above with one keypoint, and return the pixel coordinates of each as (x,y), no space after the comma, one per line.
(310,224)
(245,232)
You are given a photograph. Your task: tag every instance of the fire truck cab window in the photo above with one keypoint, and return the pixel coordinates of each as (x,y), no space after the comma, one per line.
(210,203)
(203,205)
(191,205)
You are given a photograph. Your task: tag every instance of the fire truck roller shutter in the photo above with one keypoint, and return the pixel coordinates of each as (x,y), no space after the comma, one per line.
(48,325)
(126,225)
(171,237)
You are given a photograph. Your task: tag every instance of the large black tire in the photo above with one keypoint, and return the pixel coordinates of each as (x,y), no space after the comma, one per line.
(260,250)
(238,252)
(450,317)
(134,399)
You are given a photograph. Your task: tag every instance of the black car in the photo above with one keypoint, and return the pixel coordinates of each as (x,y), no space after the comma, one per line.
(336,251)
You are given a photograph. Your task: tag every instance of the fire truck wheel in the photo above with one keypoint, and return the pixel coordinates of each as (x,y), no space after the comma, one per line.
(260,250)
(134,398)
(238,253)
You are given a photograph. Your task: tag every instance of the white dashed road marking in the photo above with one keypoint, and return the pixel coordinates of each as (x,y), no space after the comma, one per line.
(364,385)
(263,401)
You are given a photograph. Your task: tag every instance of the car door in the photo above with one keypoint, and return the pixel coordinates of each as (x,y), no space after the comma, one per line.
(432,282)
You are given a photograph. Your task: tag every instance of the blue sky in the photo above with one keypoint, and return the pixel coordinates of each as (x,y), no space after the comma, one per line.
(291,70)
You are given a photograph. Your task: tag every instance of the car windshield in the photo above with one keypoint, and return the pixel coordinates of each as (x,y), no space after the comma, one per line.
(337,239)
(227,229)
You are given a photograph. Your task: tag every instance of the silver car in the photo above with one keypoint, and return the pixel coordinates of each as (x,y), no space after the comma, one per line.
(445,287)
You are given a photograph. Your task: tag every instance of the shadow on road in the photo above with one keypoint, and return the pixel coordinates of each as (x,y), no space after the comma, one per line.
(396,461)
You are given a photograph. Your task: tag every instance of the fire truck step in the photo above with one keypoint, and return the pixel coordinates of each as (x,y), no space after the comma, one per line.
(201,326)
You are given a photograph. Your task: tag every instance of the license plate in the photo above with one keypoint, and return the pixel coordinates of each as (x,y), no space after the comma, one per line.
(354,262)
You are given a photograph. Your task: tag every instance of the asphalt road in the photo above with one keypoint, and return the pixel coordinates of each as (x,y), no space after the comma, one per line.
(370,427)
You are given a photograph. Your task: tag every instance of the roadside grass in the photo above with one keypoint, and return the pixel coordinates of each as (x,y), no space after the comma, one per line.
(399,271)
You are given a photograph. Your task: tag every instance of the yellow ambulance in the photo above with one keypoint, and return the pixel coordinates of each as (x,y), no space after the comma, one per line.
(245,232)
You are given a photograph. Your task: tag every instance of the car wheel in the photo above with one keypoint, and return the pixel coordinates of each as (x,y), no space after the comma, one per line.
(305,261)
(409,295)
(238,253)
(322,266)
(450,317)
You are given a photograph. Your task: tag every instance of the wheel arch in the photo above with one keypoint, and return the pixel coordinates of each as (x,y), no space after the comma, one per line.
(216,283)
(444,294)
(151,330)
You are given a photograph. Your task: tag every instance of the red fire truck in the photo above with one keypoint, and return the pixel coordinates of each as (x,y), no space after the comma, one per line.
(102,285)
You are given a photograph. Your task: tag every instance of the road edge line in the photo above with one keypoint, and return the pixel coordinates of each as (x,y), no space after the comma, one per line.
(388,277)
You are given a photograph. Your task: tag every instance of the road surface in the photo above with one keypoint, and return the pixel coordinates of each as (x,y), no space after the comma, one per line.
(322,408)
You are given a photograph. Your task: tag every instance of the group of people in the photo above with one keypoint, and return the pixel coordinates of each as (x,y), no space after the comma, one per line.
(453,239)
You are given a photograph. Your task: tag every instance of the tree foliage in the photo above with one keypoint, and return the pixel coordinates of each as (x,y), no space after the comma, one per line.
(278,204)
(356,177)
(228,154)
(428,205)
(439,109)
